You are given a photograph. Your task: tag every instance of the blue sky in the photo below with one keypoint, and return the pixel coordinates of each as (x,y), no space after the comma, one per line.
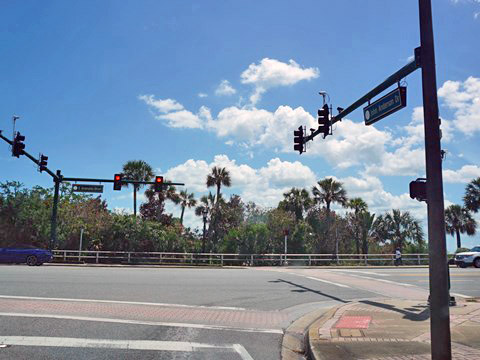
(186,85)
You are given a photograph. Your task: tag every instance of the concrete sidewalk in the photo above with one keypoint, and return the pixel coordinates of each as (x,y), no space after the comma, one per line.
(390,329)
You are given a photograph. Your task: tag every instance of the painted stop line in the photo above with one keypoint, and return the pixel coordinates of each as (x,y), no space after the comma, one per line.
(353,322)
(182,346)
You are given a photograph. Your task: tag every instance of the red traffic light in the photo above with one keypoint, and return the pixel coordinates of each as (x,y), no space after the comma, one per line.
(117,182)
(158,183)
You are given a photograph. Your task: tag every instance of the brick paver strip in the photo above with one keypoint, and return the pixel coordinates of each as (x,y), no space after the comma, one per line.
(240,318)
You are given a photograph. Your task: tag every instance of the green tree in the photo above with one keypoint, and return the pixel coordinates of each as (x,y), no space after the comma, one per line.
(358,205)
(458,220)
(205,207)
(329,191)
(186,200)
(367,229)
(399,228)
(137,170)
(472,195)
(218,177)
(297,201)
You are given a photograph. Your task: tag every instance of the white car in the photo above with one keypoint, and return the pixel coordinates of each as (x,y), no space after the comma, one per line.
(468,258)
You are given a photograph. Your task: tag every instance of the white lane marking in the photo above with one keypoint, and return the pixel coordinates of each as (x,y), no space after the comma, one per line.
(326,281)
(119,344)
(122,302)
(382,280)
(242,351)
(359,272)
(461,295)
(151,323)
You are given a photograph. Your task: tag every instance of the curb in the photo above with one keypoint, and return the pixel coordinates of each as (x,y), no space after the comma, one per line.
(295,344)
(143,266)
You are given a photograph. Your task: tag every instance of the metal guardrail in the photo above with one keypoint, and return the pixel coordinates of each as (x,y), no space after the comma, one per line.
(171,258)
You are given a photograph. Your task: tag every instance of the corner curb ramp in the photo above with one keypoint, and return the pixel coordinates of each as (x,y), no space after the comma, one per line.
(295,339)
(409,337)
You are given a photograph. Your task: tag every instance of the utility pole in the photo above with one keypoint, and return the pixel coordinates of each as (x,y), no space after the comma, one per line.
(53,232)
(439,295)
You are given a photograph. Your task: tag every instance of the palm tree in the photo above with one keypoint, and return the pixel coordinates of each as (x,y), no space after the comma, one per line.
(329,191)
(137,170)
(359,206)
(205,209)
(218,177)
(186,201)
(296,201)
(366,222)
(458,220)
(472,195)
(399,227)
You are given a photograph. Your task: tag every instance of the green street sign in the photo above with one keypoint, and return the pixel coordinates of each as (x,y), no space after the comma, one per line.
(87,188)
(386,105)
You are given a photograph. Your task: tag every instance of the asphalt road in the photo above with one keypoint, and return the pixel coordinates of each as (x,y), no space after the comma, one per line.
(58,312)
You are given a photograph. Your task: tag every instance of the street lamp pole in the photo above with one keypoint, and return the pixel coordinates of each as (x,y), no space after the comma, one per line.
(204,213)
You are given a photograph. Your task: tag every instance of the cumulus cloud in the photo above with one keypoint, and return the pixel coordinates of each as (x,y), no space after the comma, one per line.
(464,99)
(370,189)
(173,113)
(202,95)
(272,73)
(224,88)
(463,175)
(265,185)
(162,106)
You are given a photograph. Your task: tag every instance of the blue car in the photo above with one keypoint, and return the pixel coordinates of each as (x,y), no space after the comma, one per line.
(25,254)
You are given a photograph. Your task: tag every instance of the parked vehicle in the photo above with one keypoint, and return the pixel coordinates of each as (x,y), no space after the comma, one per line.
(25,254)
(468,258)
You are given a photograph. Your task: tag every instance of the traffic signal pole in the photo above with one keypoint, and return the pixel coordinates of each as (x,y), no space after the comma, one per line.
(439,295)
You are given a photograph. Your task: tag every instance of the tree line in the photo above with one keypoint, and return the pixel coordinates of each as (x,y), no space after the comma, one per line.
(230,224)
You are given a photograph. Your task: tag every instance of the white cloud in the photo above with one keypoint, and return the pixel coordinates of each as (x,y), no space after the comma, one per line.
(370,189)
(182,119)
(265,186)
(464,99)
(162,106)
(352,144)
(224,88)
(463,175)
(202,95)
(272,73)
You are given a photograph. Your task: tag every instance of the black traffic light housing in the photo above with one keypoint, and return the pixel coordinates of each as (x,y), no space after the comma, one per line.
(298,140)
(42,162)
(418,189)
(117,181)
(18,145)
(324,120)
(158,183)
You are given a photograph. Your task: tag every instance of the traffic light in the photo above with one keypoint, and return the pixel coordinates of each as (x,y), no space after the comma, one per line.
(418,189)
(298,140)
(117,182)
(324,121)
(18,145)
(43,162)
(158,183)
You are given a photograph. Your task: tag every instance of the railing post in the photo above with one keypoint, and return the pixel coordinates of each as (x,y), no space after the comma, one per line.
(96,258)
(309,260)
(129,257)
(221,259)
(418,259)
(251,260)
(366,259)
(64,256)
